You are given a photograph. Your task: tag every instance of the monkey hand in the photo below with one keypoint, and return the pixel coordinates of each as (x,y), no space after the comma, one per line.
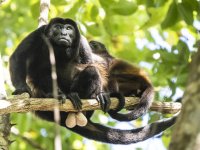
(74,119)
(104,99)
(22,89)
(61,96)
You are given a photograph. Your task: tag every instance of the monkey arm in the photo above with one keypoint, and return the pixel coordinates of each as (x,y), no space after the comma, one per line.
(18,72)
(85,52)
(19,61)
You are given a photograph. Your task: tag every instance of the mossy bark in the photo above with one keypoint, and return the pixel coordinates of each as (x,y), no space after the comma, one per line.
(186,135)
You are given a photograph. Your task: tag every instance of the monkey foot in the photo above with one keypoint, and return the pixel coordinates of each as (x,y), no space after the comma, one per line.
(75,99)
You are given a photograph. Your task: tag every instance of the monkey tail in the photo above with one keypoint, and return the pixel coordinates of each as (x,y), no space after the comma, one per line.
(105,134)
(138,110)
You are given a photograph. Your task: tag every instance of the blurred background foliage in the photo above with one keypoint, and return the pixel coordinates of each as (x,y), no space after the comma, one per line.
(158,35)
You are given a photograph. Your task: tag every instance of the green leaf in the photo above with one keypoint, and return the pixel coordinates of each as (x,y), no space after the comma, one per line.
(94,12)
(71,13)
(168,57)
(149,3)
(172,16)
(172,86)
(166,138)
(184,51)
(118,25)
(156,15)
(141,2)
(58,3)
(94,29)
(124,7)
(160,2)
(193,3)
(186,12)
(182,79)
(35,10)
(106,3)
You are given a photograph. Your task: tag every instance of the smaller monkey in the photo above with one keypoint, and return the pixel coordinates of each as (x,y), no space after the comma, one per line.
(126,80)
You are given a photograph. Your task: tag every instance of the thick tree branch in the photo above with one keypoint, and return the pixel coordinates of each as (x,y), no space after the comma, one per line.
(22,103)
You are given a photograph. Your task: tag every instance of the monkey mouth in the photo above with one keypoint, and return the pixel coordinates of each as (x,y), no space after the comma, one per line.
(64,41)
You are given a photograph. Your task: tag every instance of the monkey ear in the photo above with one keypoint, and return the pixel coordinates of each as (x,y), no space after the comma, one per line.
(51,22)
(46,29)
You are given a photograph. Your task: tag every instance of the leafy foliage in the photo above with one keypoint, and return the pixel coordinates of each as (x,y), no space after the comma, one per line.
(156,34)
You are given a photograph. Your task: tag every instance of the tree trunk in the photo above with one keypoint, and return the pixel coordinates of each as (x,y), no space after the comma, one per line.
(186,135)
(4,119)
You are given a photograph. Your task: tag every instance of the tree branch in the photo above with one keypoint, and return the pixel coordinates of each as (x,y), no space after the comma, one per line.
(44,11)
(22,103)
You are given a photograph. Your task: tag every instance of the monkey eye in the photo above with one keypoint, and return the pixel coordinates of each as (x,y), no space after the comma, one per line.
(69,28)
(58,26)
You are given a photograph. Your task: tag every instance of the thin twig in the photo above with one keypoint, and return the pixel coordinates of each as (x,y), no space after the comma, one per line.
(58,145)
(43,20)
(44,11)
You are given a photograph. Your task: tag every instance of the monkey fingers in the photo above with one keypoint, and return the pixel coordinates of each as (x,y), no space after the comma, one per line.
(61,96)
(24,89)
(75,99)
(104,100)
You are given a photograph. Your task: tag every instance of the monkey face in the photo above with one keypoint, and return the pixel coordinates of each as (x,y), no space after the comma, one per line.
(62,34)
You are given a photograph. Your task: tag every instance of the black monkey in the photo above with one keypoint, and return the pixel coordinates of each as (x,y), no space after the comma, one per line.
(31,61)
(76,77)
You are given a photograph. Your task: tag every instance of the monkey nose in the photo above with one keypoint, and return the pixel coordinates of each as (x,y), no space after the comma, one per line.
(64,31)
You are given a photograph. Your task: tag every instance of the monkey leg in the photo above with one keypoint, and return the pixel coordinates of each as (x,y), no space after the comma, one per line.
(88,84)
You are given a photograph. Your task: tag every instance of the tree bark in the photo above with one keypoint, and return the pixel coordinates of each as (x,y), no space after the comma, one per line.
(4,119)
(186,135)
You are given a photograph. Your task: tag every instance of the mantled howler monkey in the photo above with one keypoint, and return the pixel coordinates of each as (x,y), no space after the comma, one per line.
(126,79)
(77,76)
(31,61)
